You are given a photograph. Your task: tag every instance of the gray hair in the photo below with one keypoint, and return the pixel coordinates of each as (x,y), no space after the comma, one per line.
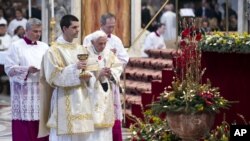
(97,34)
(33,21)
(106,16)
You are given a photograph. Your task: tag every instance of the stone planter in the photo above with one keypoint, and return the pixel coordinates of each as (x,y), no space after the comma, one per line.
(190,127)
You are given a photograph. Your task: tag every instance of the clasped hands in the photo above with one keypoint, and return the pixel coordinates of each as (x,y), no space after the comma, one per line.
(105,72)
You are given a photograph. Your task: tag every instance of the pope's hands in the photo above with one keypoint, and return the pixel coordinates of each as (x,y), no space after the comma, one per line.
(105,72)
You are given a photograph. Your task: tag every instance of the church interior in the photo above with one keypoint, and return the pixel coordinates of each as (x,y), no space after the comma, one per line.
(218,29)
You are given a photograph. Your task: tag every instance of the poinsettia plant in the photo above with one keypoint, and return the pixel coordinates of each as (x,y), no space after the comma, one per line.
(188,93)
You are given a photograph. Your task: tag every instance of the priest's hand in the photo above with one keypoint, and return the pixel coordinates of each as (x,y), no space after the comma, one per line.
(81,65)
(85,76)
(32,69)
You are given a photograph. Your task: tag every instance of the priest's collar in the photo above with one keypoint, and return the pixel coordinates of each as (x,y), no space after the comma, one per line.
(61,40)
(29,42)
(108,35)
(19,19)
(158,35)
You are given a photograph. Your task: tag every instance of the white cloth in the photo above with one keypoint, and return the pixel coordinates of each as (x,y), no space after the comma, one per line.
(122,55)
(5,41)
(169,19)
(153,41)
(98,135)
(15,38)
(24,86)
(2,57)
(15,23)
(3,21)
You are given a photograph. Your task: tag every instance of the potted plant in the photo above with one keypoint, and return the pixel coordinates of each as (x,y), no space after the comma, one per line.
(190,105)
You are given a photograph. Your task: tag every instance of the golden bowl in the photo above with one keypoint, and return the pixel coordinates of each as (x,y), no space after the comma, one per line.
(82,56)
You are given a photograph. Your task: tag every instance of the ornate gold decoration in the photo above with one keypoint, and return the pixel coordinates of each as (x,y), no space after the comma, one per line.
(52,30)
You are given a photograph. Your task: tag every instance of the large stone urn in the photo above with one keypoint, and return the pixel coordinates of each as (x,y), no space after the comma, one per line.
(190,127)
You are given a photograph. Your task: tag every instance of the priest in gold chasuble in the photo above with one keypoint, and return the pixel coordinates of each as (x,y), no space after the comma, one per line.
(76,91)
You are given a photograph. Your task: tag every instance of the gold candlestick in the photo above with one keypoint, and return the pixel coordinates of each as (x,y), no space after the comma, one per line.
(52,30)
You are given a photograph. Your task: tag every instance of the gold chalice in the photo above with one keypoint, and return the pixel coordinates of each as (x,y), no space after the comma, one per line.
(82,57)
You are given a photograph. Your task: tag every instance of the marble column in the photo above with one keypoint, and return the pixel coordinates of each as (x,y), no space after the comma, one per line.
(45,21)
(134,50)
(76,11)
(242,16)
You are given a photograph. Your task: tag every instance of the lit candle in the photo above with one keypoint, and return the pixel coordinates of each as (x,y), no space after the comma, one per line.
(52,9)
(29,8)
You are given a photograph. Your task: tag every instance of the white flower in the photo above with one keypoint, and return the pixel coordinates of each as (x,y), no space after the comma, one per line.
(248,43)
(230,42)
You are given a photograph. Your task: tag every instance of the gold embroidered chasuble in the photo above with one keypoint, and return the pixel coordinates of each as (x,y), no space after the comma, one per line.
(70,110)
(76,107)
(103,102)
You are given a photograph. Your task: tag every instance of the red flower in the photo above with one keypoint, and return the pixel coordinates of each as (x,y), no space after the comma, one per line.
(185,33)
(198,37)
(183,43)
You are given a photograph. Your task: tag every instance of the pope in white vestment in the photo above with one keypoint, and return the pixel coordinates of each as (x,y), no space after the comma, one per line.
(79,110)
(114,43)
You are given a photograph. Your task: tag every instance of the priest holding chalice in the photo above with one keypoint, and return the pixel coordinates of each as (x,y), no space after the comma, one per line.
(76,93)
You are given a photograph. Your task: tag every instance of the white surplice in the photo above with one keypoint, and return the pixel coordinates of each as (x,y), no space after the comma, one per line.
(153,41)
(74,112)
(15,23)
(24,86)
(5,41)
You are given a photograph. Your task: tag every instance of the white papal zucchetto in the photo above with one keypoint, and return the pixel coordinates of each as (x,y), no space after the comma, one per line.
(98,34)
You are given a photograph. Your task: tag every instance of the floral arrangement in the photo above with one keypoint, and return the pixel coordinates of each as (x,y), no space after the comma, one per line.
(220,133)
(188,94)
(222,42)
(153,128)
(190,97)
